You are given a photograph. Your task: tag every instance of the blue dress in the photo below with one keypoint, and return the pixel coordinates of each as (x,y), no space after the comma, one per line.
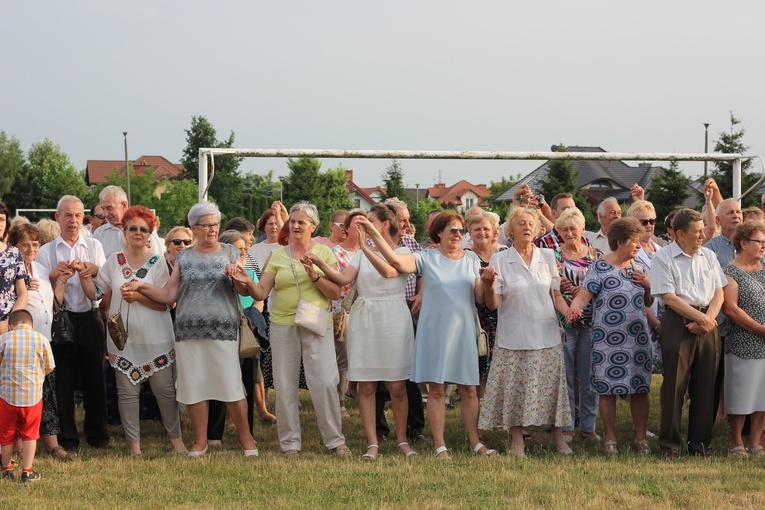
(445,345)
(621,345)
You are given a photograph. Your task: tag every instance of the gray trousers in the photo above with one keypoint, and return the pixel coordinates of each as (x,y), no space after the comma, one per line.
(163,386)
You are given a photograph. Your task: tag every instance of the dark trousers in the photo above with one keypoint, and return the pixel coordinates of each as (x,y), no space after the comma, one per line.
(216,416)
(82,361)
(690,365)
(415,418)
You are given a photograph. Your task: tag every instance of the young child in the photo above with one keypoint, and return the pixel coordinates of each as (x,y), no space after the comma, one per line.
(25,359)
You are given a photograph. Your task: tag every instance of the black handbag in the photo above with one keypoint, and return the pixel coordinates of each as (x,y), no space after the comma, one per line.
(62,329)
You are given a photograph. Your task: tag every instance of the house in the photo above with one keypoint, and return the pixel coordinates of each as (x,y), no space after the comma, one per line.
(600,179)
(460,196)
(359,196)
(97,170)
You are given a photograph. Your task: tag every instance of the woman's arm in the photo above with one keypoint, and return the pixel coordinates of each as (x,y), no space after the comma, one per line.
(245,285)
(403,263)
(167,294)
(560,302)
(488,276)
(131,296)
(578,304)
(330,289)
(738,316)
(21,294)
(341,278)
(379,263)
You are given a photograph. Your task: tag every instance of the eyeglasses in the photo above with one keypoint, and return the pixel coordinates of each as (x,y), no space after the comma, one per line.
(133,228)
(649,221)
(177,242)
(339,225)
(457,230)
(208,226)
(26,246)
(99,216)
(761,242)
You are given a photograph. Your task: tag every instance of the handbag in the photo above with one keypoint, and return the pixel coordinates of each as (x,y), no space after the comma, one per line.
(308,315)
(350,297)
(117,330)
(248,344)
(62,329)
(482,337)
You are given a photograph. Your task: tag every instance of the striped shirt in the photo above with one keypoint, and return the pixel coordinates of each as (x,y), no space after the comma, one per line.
(25,359)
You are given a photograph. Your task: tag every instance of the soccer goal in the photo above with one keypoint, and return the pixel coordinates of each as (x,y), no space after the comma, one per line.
(208,154)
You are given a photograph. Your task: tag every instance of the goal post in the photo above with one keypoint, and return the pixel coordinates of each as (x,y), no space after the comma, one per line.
(206,154)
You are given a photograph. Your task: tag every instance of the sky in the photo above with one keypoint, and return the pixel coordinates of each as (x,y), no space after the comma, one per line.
(408,75)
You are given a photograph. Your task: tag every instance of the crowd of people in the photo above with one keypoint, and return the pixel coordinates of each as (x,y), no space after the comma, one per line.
(575,320)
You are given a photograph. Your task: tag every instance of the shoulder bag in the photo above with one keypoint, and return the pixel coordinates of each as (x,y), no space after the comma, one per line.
(308,315)
(248,344)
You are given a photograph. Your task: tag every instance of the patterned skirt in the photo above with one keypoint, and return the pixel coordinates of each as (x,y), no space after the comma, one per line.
(526,388)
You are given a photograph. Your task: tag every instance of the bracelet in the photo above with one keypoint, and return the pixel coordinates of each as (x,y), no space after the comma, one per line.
(317,278)
(60,281)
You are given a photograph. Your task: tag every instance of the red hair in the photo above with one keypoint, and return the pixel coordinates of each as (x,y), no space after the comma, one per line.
(141,213)
(284,234)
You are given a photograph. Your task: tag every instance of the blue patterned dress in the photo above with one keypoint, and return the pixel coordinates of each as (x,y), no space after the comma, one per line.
(621,350)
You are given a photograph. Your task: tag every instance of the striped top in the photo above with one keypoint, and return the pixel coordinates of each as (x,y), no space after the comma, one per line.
(25,359)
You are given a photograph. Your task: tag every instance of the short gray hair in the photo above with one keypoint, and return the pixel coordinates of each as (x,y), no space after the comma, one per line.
(308,209)
(65,199)
(202,209)
(396,203)
(602,205)
(113,191)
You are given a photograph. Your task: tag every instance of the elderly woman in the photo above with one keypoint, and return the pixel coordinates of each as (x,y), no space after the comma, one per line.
(745,342)
(289,278)
(483,228)
(646,215)
(150,350)
(621,351)
(13,289)
(445,349)
(574,260)
(206,328)
(49,230)
(527,381)
(26,238)
(270,223)
(379,342)
(176,240)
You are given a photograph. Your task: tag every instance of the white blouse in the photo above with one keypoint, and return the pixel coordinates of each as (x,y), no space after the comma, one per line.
(526,314)
(40,303)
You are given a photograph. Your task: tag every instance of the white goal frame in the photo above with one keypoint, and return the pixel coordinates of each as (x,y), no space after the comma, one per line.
(737,159)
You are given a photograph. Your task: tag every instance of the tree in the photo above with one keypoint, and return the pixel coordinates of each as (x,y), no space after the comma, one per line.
(176,201)
(47,176)
(227,187)
(495,190)
(562,178)
(730,143)
(143,187)
(260,193)
(11,163)
(393,181)
(668,190)
(419,215)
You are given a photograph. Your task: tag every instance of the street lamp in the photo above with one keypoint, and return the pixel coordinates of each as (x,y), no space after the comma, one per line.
(417,198)
(706,147)
(281,189)
(127,169)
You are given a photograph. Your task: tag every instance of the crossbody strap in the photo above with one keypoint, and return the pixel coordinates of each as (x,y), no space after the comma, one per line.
(294,273)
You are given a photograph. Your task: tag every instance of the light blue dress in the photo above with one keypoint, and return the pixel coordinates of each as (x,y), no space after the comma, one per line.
(445,345)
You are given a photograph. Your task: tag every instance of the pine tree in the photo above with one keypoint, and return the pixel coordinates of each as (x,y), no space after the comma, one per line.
(732,143)
(668,190)
(562,178)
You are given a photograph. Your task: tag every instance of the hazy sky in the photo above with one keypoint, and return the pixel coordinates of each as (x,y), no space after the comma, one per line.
(437,75)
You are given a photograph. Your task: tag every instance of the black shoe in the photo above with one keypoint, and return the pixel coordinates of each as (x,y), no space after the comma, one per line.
(418,438)
(8,475)
(30,476)
(101,446)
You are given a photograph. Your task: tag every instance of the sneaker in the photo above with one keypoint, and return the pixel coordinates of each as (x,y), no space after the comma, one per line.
(8,475)
(30,476)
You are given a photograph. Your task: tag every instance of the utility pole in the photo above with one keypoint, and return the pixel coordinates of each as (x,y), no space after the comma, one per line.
(127,169)
(706,147)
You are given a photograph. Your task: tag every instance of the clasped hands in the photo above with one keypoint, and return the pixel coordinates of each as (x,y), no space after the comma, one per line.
(66,269)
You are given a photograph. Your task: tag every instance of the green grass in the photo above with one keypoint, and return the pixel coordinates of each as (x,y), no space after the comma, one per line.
(225,479)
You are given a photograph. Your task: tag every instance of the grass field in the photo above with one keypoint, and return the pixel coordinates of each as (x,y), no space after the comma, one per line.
(225,479)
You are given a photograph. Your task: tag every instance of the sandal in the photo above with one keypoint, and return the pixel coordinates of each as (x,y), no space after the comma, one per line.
(642,447)
(757,451)
(61,453)
(477,450)
(738,452)
(441,453)
(610,447)
(371,457)
(343,451)
(409,454)
(291,453)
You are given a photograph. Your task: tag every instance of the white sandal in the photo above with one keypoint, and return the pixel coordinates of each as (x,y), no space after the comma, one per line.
(488,453)
(442,453)
(371,457)
(411,453)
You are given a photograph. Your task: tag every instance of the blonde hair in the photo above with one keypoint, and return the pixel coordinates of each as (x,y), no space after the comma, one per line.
(175,230)
(489,217)
(570,215)
(640,206)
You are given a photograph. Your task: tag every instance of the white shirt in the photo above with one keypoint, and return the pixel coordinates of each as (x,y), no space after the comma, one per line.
(40,303)
(86,249)
(693,278)
(598,240)
(526,315)
(113,240)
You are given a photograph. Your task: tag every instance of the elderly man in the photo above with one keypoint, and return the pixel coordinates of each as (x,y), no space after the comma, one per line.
(690,281)
(98,217)
(608,211)
(552,239)
(113,202)
(81,361)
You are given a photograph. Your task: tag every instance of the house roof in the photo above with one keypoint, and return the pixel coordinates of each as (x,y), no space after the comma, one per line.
(601,179)
(354,188)
(97,170)
(452,195)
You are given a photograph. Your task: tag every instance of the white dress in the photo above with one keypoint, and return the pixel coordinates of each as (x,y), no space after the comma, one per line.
(151,345)
(40,303)
(380,334)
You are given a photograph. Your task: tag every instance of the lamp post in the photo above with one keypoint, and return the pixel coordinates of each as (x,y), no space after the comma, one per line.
(706,147)
(417,198)
(281,189)
(127,169)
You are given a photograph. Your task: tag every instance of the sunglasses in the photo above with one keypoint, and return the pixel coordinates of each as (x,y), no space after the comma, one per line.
(457,230)
(650,221)
(133,229)
(99,216)
(339,225)
(177,242)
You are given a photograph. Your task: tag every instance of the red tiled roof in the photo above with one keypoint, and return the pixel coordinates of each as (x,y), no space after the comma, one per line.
(97,170)
(453,195)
